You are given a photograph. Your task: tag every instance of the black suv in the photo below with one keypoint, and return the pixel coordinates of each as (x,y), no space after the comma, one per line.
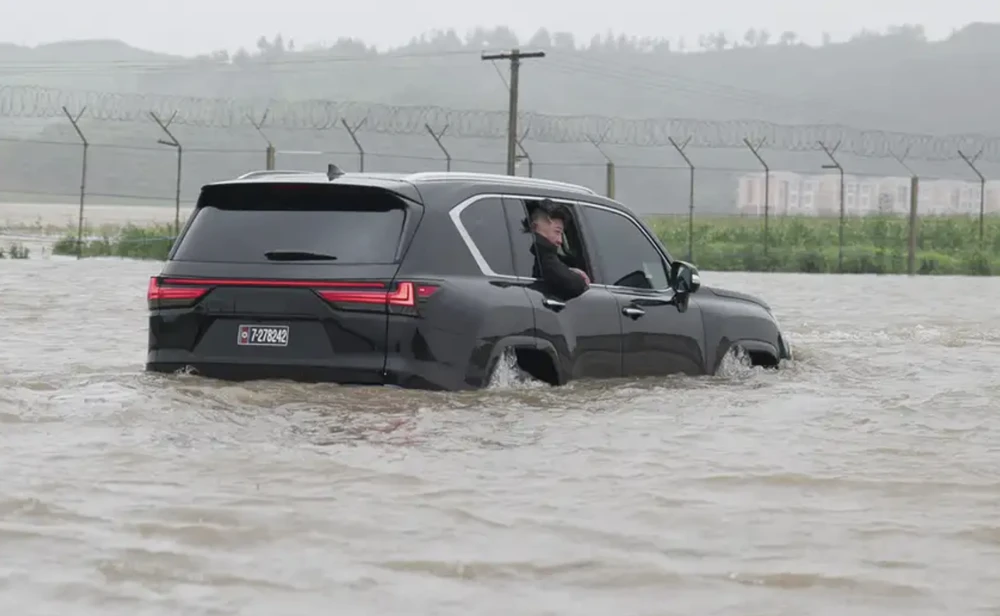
(424,280)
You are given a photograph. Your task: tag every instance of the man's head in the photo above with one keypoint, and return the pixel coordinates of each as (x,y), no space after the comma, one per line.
(548,220)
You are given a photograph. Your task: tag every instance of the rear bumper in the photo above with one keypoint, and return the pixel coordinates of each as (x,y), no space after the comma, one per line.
(400,373)
(255,372)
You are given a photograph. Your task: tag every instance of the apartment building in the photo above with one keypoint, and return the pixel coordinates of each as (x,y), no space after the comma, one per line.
(797,194)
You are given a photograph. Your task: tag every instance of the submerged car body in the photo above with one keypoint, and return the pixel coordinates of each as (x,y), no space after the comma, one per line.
(425,280)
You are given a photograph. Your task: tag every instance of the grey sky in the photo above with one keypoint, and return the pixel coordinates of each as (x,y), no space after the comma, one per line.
(195,26)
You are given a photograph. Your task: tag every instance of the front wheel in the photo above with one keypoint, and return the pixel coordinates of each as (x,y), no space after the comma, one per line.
(736,361)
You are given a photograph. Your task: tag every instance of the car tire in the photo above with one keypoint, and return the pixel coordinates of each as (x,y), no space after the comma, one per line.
(736,360)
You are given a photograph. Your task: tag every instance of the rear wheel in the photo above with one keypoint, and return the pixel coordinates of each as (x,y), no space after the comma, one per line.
(519,365)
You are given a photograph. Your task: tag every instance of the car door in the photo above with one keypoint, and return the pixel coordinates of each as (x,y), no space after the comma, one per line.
(585,330)
(657,338)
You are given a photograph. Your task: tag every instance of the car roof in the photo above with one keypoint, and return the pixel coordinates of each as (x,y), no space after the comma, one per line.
(426,183)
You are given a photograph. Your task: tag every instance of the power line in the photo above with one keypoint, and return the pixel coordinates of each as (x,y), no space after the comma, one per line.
(38,102)
(208,63)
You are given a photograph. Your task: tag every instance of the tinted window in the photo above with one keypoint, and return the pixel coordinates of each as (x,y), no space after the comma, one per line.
(628,259)
(484,220)
(521,239)
(239,223)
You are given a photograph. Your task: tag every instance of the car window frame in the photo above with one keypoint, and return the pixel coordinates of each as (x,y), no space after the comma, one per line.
(577,222)
(456,218)
(657,247)
(477,253)
(580,207)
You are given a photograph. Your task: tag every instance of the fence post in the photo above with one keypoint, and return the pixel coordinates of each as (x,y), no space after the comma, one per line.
(524,153)
(180,157)
(269,153)
(911,240)
(836,165)
(680,150)
(437,139)
(352,131)
(75,121)
(609,186)
(755,149)
(982,188)
(911,253)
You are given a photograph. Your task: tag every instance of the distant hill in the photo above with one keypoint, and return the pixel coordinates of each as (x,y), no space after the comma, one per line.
(896,80)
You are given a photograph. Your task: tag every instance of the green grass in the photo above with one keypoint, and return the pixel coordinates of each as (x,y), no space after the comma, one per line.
(15,251)
(130,242)
(876,244)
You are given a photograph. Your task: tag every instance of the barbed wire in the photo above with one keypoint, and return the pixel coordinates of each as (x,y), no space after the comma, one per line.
(41,102)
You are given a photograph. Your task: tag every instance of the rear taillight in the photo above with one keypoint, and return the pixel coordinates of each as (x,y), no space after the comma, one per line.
(405,295)
(160,295)
(176,292)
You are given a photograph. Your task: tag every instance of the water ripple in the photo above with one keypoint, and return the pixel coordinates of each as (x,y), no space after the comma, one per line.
(862,475)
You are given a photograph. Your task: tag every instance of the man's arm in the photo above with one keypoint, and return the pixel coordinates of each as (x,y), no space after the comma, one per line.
(563,280)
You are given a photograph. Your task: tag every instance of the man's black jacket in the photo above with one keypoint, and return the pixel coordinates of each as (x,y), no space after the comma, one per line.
(550,268)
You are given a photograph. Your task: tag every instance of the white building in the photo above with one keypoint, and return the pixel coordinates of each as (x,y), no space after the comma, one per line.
(819,195)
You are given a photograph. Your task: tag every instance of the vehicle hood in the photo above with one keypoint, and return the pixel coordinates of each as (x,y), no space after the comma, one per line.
(738,295)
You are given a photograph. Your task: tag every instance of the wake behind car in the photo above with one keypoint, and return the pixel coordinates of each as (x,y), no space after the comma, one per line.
(425,280)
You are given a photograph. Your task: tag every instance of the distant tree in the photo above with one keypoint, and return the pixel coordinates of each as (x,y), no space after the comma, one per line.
(477,39)
(719,41)
(788,38)
(563,41)
(827,39)
(503,37)
(906,31)
(541,39)
(241,57)
(263,45)
(750,38)
(662,46)
(864,35)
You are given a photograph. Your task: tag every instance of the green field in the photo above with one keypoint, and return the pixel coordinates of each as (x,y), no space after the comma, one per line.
(945,245)
(875,244)
(15,251)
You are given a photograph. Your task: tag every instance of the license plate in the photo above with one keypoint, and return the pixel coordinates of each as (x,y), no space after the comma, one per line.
(263,335)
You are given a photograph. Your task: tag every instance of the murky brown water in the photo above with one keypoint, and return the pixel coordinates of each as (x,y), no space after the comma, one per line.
(864,477)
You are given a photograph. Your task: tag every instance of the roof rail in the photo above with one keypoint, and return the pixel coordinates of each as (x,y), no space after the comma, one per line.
(438,176)
(266,172)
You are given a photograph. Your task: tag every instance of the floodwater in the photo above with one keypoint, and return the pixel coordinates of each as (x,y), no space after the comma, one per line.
(863,477)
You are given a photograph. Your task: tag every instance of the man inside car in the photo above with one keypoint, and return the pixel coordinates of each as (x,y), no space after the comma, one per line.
(548,220)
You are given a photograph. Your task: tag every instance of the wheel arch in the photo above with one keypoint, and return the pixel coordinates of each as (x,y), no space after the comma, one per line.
(535,356)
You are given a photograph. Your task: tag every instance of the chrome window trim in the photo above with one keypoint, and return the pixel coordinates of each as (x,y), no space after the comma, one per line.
(456,218)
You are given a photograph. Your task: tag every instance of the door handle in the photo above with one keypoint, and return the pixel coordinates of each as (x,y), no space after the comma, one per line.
(553,304)
(633,312)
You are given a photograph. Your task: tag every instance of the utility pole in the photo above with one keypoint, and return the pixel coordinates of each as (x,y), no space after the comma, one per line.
(515,56)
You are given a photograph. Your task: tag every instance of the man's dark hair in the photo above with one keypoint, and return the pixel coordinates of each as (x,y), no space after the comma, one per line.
(547,208)
(553,210)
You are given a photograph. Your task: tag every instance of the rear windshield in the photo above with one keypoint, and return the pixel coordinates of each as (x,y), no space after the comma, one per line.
(242,223)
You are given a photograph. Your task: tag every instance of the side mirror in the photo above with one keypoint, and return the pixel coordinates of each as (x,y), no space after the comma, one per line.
(684,278)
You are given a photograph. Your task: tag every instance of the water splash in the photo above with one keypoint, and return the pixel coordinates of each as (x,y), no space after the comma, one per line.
(736,364)
(508,375)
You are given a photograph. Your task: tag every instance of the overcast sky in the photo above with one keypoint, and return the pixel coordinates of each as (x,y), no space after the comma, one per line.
(197,26)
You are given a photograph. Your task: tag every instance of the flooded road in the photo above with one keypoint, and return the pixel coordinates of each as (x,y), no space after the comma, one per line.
(862,477)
